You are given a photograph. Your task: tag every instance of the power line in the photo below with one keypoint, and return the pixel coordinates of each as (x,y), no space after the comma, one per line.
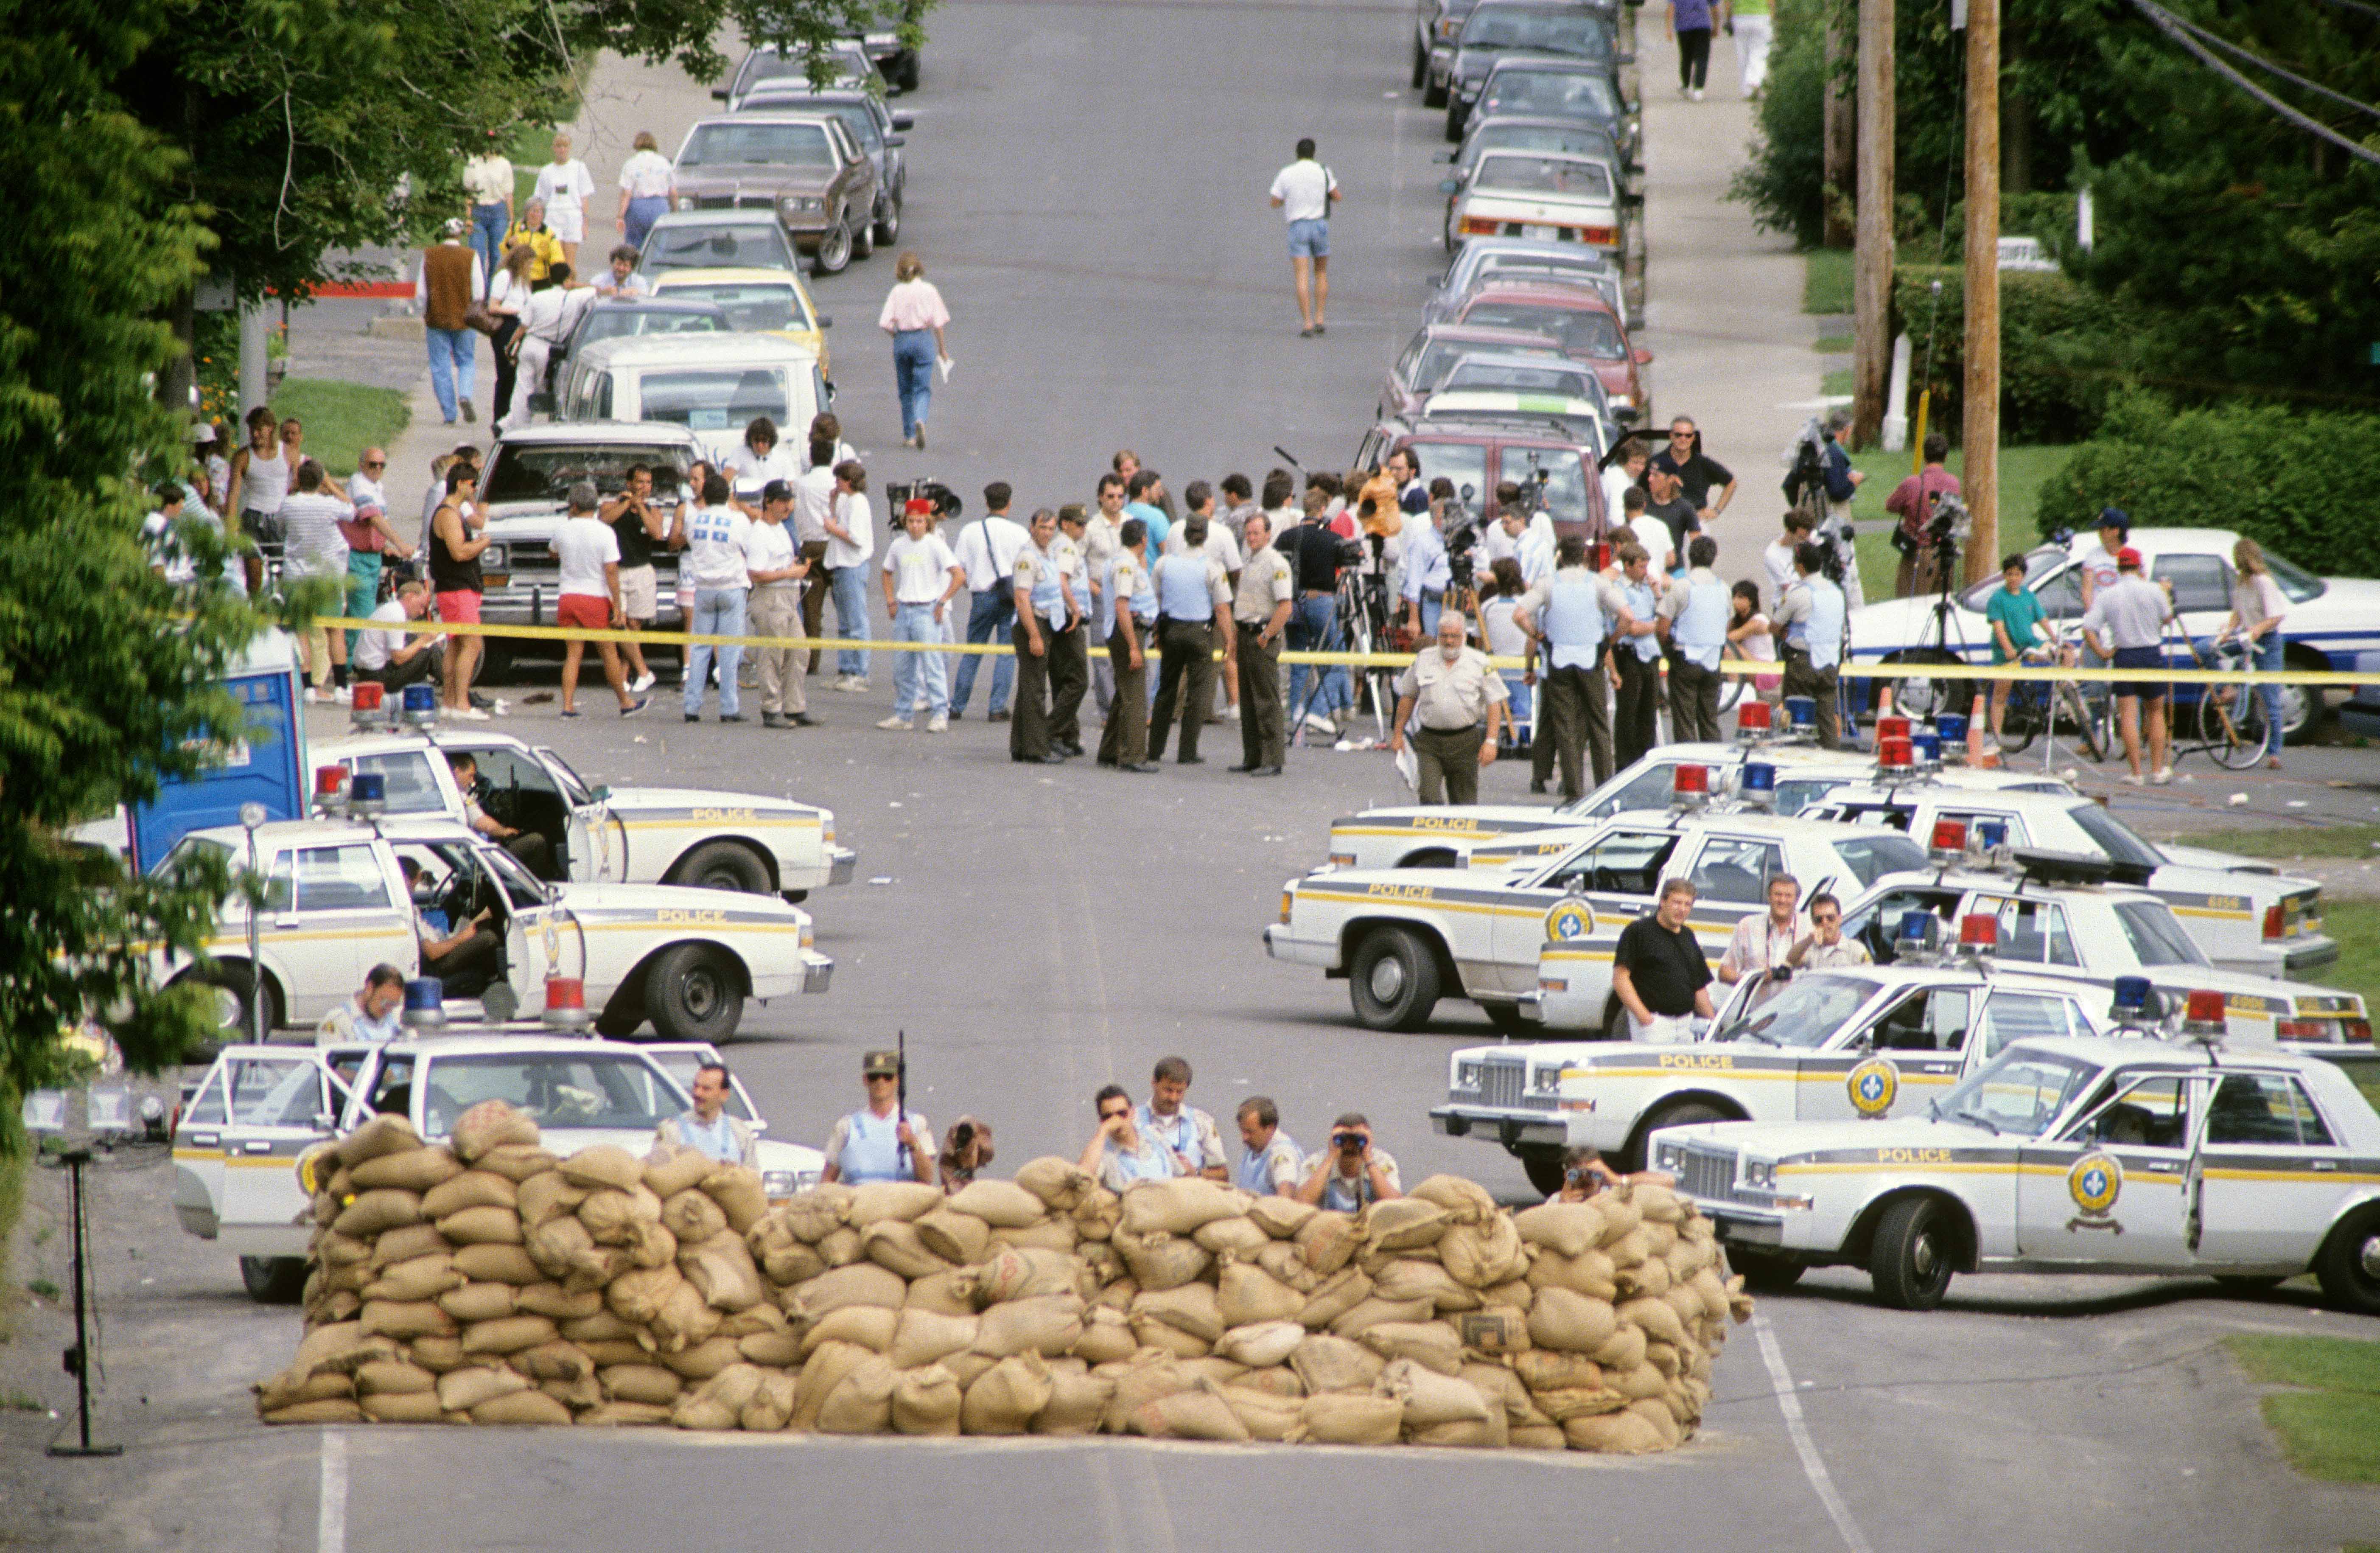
(2263,64)
(2354,6)
(2173,27)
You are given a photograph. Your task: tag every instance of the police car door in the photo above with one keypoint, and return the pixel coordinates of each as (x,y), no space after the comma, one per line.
(518,790)
(2269,1172)
(599,839)
(351,919)
(1593,892)
(277,1101)
(2113,1188)
(533,937)
(1909,1053)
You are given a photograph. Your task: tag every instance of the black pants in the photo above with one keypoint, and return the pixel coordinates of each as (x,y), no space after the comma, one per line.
(1263,740)
(506,368)
(1447,763)
(466,970)
(1694,56)
(1126,740)
(1055,676)
(1070,680)
(1638,723)
(534,852)
(816,585)
(1185,683)
(1803,679)
(1576,729)
(1693,701)
(422,668)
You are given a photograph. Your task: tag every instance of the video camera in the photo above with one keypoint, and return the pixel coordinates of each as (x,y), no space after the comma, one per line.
(1463,526)
(899,493)
(1951,525)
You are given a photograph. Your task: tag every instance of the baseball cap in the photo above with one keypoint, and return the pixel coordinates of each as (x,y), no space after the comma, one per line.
(2115,517)
(884,1063)
(203,433)
(777,491)
(2128,558)
(918,505)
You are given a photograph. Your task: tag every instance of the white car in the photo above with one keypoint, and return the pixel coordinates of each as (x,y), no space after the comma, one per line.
(2044,917)
(2329,620)
(1404,938)
(1548,195)
(238,1138)
(1823,1045)
(631,835)
(337,904)
(2251,921)
(2067,1156)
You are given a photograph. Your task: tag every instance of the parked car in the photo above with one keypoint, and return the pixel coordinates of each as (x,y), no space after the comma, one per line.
(804,168)
(687,239)
(1437,24)
(1582,421)
(848,65)
(1577,137)
(1587,33)
(1476,454)
(876,129)
(1513,372)
(714,386)
(1588,326)
(1545,195)
(1482,258)
(756,301)
(1434,349)
(1532,86)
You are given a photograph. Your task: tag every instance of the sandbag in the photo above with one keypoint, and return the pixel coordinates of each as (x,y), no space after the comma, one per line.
(385,1375)
(1247,1294)
(1490,1433)
(1239,1234)
(1648,1279)
(1077,1403)
(499,1263)
(861,1403)
(335,1250)
(921,1336)
(1058,1184)
(692,1215)
(1621,1434)
(1054,1234)
(1159,1259)
(926,1401)
(1265,1415)
(1433,1397)
(1287,1264)
(469,1189)
(721,1271)
(1406,1278)
(1658,1319)
(1005,1399)
(1331,1364)
(335,1411)
(967,1369)
(890,1199)
(872,1327)
(1107,1336)
(423,1278)
(1432,1344)
(1139,1382)
(377,1139)
(1277,1381)
(1198,1413)
(895,1245)
(477,1302)
(1004,1205)
(1262,1344)
(772,1406)
(1177,1207)
(490,1125)
(684,1320)
(1560,1318)
(1335,1297)
(521,1407)
(1280,1217)
(553,1243)
(1621,1219)
(957,1238)
(1401,1223)
(1503,1388)
(636,1297)
(1517,1295)
(555,1303)
(1329,1241)
(557,1360)
(1049,1325)
(770,1348)
(672,1168)
(436,1355)
(1496,1330)
(409,1170)
(945,1293)
(1098,1214)
(1466,1202)
(821,1373)
(862,1283)
(1376,1310)
(1149,1332)
(740,1194)
(516,1161)
(402,1407)
(603,1164)
(1623,1350)
(598,1266)
(1349,1418)
(461,1391)
(1192,1308)
(508,1334)
(1483,1255)
(1589,1273)
(287,1391)
(404,1244)
(648,1384)
(1215,1368)
(612,1215)
(483,1226)
(1566,1228)
(384,1208)
(700,1361)
(403,1320)
(809,1217)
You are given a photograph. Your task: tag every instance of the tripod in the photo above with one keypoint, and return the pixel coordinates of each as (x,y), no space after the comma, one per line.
(79,1356)
(1929,697)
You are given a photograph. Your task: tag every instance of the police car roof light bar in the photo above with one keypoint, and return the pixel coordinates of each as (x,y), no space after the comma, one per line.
(366,795)
(1895,755)
(366,709)
(1756,783)
(1927,747)
(2204,1017)
(327,781)
(2131,999)
(425,1004)
(1891,726)
(1690,779)
(565,1003)
(1948,840)
(1991,834)
(1916,929)
(1801,712)
(1952,727)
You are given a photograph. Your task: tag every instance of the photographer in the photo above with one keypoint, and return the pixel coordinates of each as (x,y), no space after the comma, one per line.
(1913,503)
(1841,483)
(966,1149)
(1809,625)
(1314,555)
(1351,1174)
(1584,1174)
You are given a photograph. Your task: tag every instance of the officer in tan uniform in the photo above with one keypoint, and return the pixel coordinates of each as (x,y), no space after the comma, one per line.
(1048,638)
(1461,701)
(1259,614)
(1131,600)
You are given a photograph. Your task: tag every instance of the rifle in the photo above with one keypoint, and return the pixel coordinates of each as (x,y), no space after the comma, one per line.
(901,1103)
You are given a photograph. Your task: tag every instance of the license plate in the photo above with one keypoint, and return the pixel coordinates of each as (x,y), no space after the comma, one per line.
(1543,233)
(495,579)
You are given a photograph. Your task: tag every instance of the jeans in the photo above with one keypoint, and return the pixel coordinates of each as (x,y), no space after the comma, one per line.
(991,614)
(488,241)
(916,622)
(913,375)
(642,213)
(718,611)
(454,366)
(363,588)
(1430,609)
(850,585)
(1313,626)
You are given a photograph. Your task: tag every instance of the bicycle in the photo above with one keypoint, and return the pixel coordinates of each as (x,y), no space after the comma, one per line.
(2048,707)
(2231,725)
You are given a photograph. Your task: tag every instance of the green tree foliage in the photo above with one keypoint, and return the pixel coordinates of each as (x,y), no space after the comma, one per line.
(2307,485)
(1784,179)
(2065,349)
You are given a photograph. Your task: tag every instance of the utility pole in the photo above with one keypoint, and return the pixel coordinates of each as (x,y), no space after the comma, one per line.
(1980,475)
(1839,137)
(1872,262)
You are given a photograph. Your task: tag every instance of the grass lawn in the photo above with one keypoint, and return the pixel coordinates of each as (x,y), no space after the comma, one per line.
(1827,281)
(2328,840)
(2330,1428)
(2022,472)
(342,418)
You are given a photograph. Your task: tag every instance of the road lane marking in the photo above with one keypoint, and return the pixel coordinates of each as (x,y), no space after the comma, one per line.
(1814,1466)
(330,1523)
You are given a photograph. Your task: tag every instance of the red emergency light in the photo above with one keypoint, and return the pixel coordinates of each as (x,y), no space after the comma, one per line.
(1891,727)
(2205,1008)
(369,695)
(1602,558)
(1895,755)
(1979,933)
(1691,782)
(1950,835)
(328,781)
(1752,717)
(566,1002)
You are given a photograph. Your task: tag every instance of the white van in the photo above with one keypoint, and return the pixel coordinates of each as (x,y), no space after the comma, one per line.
(712,384)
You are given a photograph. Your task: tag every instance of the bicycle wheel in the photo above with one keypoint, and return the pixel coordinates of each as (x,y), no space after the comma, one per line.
(2091,730)
(2234,731)
(2023,717)
(1730,693)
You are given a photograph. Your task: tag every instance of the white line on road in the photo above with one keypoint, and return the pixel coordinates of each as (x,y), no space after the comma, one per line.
(1814,1467)
(331,1525)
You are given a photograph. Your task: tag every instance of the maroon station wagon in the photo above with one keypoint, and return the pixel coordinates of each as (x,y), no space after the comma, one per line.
(1589,331)
(1481,454)
(1433,350)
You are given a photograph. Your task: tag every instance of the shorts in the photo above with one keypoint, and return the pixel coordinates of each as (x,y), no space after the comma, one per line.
(639,593)
(2138,658)
(1309,239)
(583,611)
(567,223)
(461,606)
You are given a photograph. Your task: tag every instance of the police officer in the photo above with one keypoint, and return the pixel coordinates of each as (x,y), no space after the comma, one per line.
(1571,615)
(1070,672)
(1194,602)
(1260,613)
(1131,600)
(1187,1131)
(1045,612)
(880,1141)
(1640,683)
(1272,1165)
(1810,623)
(1695,615)
(1461,701)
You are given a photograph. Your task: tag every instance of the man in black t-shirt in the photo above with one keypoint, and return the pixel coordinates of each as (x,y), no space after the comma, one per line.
(1698,473)
(1659,972)
(639,523)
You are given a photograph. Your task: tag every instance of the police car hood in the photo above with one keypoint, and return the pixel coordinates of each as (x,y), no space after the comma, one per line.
(1472,819)
(696,803)
(1786,1140)
(1897,622)
(649,901)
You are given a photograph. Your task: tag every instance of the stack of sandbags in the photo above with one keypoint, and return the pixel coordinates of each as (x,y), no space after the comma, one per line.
(600,1288)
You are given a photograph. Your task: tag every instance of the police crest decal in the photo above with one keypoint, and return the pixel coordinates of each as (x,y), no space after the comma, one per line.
(1873,1087)
(1570,921)
(2096,1182)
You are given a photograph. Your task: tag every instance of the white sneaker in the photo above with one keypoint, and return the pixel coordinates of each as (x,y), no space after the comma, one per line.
(2131,779)
(896,723)
(344,695)
(1231,712)
(502,709)
(643,682)
(313,696)
(1697,94)
(1321,724)
(2164,775)
(858,686)
(938,725)
(467,714)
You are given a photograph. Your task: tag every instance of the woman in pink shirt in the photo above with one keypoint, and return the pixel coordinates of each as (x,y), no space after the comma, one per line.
(914,315)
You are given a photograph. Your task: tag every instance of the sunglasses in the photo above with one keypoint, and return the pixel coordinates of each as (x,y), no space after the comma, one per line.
(375,463)
(1826,921)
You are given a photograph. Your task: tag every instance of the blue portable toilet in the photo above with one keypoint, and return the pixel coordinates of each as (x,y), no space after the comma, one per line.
(263,762)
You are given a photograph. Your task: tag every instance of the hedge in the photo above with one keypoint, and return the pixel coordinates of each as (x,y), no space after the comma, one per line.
(2064,349)
(2307,485)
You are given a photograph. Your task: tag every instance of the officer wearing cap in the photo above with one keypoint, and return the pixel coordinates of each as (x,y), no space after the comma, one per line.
(880,1141)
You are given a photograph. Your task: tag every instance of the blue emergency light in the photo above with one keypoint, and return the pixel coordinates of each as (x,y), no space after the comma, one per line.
(1952,726)
(1927,747)
(1992,834)
(1801,712)
(425,1004)
(367,794)
(1917,932)
(420,704)
(2131,999)
(1757,781)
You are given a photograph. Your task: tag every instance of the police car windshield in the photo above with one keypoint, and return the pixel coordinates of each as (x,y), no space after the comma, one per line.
(2156,934)
(574,1090)
(1872,857)
(192,851)
(2114,837)
(1805,1013)
(2021,1093)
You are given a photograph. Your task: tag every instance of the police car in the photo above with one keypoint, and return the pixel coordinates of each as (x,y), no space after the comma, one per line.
(238,1137)
(337,903)
(631,835)
(2254,922)
(1815,1046)
(2057,915)
(2063,1155)
(1403,937)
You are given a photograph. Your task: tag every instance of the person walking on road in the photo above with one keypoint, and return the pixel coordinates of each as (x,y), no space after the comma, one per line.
(1690,28)
(1042,604)
(551,312)
(774,609)
(1303,192)
(1748,20)
(1194,605)
(508,300)
(1810,622)
(814,494)
(1637,713)
(1697,612)
(488,184)
(1101,532)
(915,316)
(718,562)
(1461,702)
(2133,614)
(448,280)
(566,186)
(880,1141)
(1570,615)
(587,549)
(1260,613)
(639,525)
(989,549)
(647,182)
(850,543)
(1131,600)
(921,577)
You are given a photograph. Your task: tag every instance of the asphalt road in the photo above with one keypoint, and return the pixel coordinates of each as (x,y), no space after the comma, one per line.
(1088,187)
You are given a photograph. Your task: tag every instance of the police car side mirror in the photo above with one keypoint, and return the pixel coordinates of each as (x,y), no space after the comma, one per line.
(325,1122)
(1448,186)
(826,321)
(602,793)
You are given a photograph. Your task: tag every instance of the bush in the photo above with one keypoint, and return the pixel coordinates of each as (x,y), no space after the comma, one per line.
(1784,181)
(2308,486)
(2064,349)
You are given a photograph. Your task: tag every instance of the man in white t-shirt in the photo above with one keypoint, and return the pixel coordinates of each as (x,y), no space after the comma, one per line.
(397,659)
(1622,472)
(1303,192)
(988,548)
(717,563)
(588,554)
(920,574)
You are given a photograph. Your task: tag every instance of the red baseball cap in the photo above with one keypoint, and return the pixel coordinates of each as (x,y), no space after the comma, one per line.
(2130,557)
(925,507)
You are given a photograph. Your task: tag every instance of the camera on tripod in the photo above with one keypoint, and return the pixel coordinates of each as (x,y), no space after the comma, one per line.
(1461,531)
(1951,526)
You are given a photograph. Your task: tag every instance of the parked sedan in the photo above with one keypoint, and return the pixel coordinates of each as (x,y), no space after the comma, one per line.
(847,66)
(617,317)
(1436,25)
(687,238)
(1588,326)
(1535,132)
(876,129)
(1498,27)
(756,301)
(804,168)
(1582,421)
(1548,196)
(1433,350)
(1481,259)
(1581,91)
(1521,373)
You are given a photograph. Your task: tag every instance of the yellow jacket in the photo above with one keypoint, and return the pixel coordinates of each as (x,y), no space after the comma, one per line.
(541,242)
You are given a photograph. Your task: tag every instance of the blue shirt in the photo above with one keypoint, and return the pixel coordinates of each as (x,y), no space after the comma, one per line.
(1838,462)
(714,1139)
(1158,524)
(1691,13)
(1426,567)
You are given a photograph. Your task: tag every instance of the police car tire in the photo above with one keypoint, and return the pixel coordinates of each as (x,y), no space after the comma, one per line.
(236,980)
(1544,1168)
(1910,1261)
(1765,1275)
(273,1280)
(1417,991)
(2350,1284)
(721,865)
(691,994)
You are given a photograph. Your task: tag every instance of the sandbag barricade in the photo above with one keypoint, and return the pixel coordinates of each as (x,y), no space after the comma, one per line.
(495,1283)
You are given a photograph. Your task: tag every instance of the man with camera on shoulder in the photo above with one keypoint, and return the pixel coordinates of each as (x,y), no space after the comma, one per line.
(1352,1172)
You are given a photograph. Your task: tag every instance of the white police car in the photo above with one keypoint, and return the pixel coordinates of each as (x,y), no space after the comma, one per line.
(2063,1155)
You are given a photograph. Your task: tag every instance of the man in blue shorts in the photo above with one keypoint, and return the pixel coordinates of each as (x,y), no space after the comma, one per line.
(1303,192)
(2134,614)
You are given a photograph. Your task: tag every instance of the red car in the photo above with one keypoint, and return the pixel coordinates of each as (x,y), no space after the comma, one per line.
(1433,352)
(1586,326)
